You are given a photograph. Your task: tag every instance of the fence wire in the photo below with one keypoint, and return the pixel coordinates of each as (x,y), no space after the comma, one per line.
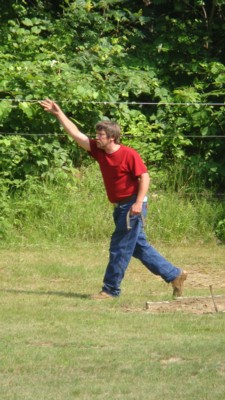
(38,101)
(151,103)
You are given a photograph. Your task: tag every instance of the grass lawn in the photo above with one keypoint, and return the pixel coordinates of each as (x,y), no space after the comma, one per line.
(57,343)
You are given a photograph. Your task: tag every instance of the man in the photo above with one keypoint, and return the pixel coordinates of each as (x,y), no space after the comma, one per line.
(126,181)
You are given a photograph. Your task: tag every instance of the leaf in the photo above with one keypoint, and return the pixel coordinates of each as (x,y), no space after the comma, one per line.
(27,22)
(26,108)
(5,109)
(205,131)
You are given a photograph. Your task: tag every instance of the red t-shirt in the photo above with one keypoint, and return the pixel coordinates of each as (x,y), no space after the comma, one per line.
(120,171)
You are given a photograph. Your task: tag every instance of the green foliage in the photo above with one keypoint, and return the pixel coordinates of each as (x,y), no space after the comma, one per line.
(220,223)
(97,60)
(78,208)
(220,230)
(23,160)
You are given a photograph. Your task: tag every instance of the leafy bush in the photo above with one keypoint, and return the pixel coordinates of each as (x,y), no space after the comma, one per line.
(220,230)
(99,59)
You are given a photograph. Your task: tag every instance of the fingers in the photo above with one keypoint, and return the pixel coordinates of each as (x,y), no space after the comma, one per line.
(50,106)
(135,213)
(47,104)
(136,209)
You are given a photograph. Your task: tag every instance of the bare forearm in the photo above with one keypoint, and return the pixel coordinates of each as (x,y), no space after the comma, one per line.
(144,181)
(143,187)
(53,108)
(80,138)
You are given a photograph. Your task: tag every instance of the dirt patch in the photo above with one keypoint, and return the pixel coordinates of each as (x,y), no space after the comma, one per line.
(194,305)
(199,277)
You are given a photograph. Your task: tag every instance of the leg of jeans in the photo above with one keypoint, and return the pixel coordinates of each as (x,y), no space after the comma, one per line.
(122,246)
(150,257)
(154,261)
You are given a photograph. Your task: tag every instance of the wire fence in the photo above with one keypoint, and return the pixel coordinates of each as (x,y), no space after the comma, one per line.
(161,103)
(56,134)
(152,103)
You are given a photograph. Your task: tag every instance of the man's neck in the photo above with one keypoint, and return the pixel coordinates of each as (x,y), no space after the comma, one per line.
(112,148)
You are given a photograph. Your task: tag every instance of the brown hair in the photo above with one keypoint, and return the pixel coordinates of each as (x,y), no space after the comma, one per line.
(111,128)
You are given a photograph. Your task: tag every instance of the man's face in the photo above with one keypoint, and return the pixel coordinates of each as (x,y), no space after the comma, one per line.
(102,140)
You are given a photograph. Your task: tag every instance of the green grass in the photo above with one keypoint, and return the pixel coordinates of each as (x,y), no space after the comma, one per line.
(57,343)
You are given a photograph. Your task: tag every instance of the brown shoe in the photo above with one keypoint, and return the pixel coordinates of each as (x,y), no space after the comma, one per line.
(178,284)
(102,296)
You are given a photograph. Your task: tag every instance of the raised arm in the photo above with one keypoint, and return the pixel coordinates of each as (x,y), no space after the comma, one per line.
(80,138)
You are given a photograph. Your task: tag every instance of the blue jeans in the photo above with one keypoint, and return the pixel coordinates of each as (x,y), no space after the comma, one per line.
(126,243)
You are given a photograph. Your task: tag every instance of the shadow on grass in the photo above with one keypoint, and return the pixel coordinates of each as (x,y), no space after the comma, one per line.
(48,293)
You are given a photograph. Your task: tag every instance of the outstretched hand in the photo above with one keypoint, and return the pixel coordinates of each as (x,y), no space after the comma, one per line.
(50,106)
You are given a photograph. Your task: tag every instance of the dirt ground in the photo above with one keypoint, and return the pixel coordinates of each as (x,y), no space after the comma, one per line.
(212,303)
(194,305)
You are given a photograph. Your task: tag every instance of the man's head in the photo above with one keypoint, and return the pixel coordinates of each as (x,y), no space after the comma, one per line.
(110,128)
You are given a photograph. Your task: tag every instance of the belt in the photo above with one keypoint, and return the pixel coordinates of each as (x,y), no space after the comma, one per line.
(125,200)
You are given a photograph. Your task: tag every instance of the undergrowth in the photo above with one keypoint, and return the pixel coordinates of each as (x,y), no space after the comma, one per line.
(77,208)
